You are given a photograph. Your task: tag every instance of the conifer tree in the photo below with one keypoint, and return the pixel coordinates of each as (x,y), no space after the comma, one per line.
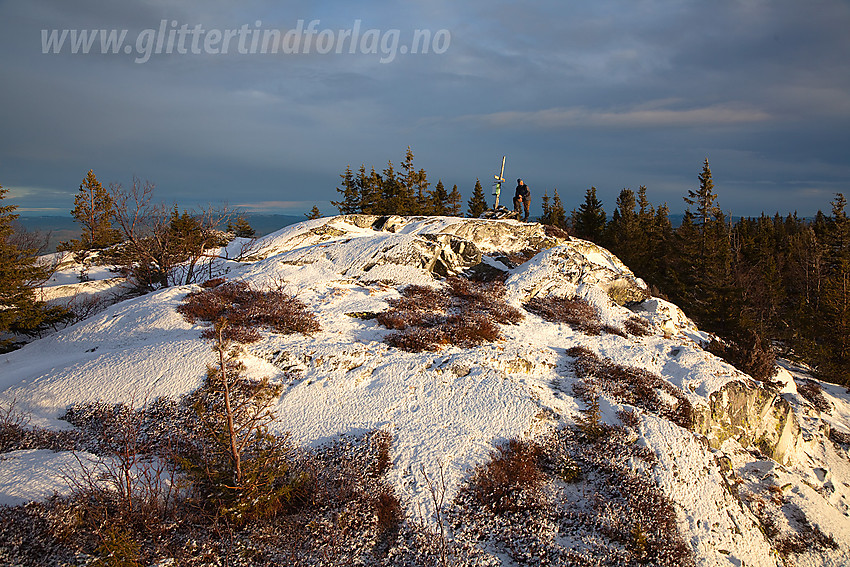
(558,215)
(454,202)
(622,232)
(314,213)
(369,187)
(477,204)
(439,200)
(704,258)
(20,312)
(546,217)
(589,220)
(93,209)
(393,192)
(706,211)
(835,302)
(241,228)
(350,203)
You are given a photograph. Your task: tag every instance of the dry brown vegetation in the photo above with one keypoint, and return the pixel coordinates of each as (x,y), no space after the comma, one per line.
(534,499)
(344,509)
(638,326)
(811,390)
(576,312)
(511,479)
(461,313)
(247,310)
(629,385)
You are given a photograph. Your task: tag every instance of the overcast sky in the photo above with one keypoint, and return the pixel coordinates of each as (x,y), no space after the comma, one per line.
(604,93)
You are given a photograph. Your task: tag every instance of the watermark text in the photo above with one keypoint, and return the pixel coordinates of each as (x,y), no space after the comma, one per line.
(173,38)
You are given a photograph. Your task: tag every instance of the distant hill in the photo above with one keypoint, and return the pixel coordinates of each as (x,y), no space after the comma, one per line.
(57,229)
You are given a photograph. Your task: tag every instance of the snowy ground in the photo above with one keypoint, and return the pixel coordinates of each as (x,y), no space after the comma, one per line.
(445,410)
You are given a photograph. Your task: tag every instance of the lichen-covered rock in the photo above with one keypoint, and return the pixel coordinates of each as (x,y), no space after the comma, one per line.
(559,270)
(752,415)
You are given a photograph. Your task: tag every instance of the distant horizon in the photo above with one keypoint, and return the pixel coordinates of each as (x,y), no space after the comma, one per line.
(263,104)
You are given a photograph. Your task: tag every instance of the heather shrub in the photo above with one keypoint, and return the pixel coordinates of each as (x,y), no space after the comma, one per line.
(247,310)
(638,326)
(612,330)
(629,418)
(633,386)
(576,312)
(785,524)
(16,433)
(556,232)
(463,313)
(592,496)
(839,437)
(511,479)
(344,517)
(811,390)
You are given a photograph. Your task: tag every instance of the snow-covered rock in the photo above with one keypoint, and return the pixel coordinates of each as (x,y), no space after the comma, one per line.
(446,410)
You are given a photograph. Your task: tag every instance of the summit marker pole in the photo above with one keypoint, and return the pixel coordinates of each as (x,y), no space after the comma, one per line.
(497,185)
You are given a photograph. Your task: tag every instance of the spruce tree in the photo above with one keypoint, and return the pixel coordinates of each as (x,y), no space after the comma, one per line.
(835,303)
(454,202)
(20,312)
(557,213)
(439,200)
(706,211)
(622,232)
(477,204)
(546,217)
(314,213)
(393,193)
(350,203)
(93,209)
(369,187)
(241,228)
(589,220)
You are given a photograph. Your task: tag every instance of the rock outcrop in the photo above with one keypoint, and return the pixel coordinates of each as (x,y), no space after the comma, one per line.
(752,415)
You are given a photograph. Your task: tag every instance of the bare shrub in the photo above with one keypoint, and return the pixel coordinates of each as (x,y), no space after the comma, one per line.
(135,476)
(576,312)
(463,313)
(621,518)
(344,517)
(812,392)
(556,232)
(246,310)
(839,437)
(638,326)
(161,247)
(634,386)
(511,479)
(16,433)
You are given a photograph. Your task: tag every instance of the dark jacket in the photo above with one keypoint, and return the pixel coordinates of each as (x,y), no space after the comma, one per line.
(522,191)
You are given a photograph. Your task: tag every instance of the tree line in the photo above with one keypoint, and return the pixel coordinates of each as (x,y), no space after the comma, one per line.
(403,192)
(764,283)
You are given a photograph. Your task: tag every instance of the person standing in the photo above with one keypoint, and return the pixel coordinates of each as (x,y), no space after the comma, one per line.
(522,197)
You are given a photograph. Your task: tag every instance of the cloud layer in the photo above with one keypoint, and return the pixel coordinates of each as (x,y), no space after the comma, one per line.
(611,93)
